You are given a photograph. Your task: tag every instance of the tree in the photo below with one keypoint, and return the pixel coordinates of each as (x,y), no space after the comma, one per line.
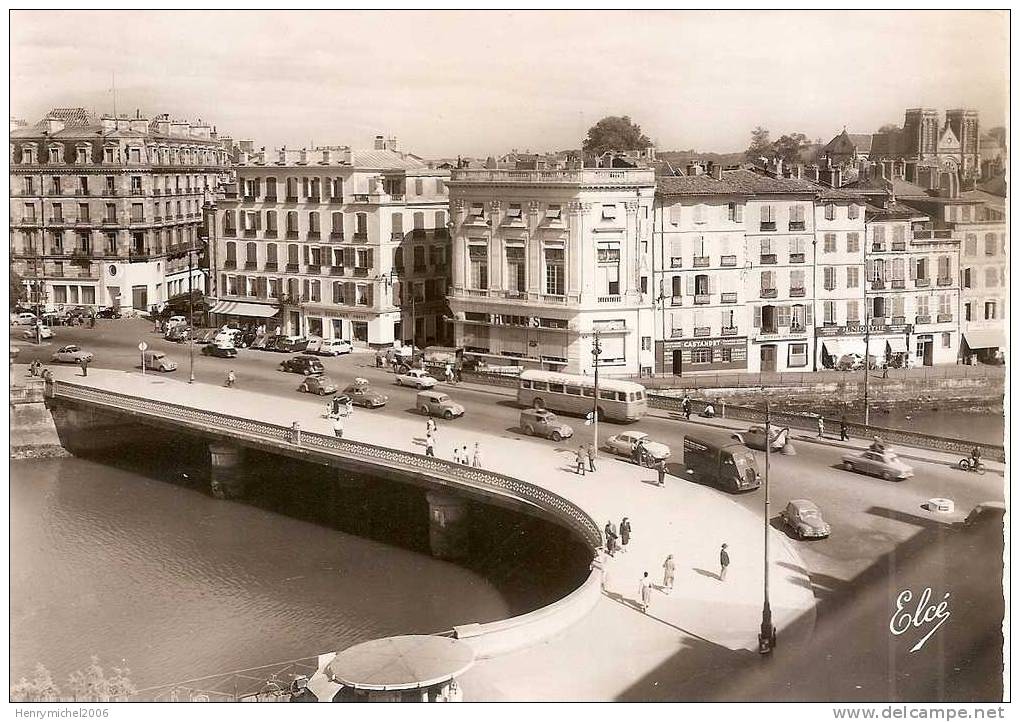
(615,132)
(40,689)
(889,128)
(18,292)
(760,144)
(789,147)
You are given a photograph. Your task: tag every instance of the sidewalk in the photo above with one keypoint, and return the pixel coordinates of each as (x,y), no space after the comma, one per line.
(617,646)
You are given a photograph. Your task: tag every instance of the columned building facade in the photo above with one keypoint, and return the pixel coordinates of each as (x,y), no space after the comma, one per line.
(543,259)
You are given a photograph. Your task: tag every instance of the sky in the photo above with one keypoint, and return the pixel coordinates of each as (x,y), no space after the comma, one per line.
(479,83)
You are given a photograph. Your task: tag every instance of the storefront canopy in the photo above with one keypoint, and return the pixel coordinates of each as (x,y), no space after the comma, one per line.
(897,344)
(986,338)
(837,348)
(240,308)
(876,347)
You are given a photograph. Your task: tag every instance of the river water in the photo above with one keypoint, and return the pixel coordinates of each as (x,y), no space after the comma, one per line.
(174,584)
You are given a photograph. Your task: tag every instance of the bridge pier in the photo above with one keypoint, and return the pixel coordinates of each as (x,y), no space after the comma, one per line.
(227,470)
(448,525)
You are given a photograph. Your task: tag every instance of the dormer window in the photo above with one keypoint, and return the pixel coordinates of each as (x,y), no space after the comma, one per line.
(28,155)
(82,155)
(54,154)
(513,213)
(609,212)
(108,155)
(552,213)
(477,210)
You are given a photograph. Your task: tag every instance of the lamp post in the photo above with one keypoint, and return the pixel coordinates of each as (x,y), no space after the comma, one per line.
(767,635)
(191,320)
(596,351)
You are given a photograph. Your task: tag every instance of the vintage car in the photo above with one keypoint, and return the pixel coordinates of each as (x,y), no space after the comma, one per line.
(213,349)
(108,312)
(362,394)
(332,347)
(302,364)
(320,385)
(878,463)
(158,361)
(754,437)
(417,378)
(805,520)
(40,331)
(624,443)
(436,403)
(23,319)
(539,422)
(71,354)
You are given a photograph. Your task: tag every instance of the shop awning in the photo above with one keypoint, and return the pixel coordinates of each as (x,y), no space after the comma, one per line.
(240,308)
(986,338)
(837,348)
(897,344)
(876,347)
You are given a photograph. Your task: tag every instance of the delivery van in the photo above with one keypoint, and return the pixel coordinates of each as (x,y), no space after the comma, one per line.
(714,457)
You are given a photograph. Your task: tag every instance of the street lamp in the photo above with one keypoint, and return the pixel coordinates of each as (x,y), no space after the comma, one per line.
(596,351)
(767,635)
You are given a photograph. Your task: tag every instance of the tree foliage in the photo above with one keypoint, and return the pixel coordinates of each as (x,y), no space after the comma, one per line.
(18,292)
(615,132)
(760,146)
(40,688)
(789,147)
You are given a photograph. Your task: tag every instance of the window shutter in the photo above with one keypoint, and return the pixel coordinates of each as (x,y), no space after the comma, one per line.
(306,252)
(713,285)
(807,314)
(368,294)
(690,285)
(757,317)
(913,269)
(739,213)
(674,214)
(395,297)
(724,323)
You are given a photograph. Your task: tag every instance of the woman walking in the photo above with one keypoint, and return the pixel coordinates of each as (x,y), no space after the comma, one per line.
(625,532)
(668,572)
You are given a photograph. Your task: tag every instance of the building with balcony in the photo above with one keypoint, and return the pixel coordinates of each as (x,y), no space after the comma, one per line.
(542,259)
(335,242)
(106,212)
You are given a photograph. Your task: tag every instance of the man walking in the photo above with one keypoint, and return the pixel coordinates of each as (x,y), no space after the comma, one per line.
(844,431)
(338,426)
(476,459)
(660,467)
(668,572)
(610,532)
(580,458)
(430,427)
(625,532)
(430,446)
(724,563)
(84,365)
(591,457)
(685,407)
(645,593)
(456,454)
(821,427)
(231,378)
(464,458)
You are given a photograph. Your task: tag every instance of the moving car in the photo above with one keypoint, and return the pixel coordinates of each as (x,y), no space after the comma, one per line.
(417,378)
(158,361)
(436,403)
(754,437)
(320,385)
(333,347)
(362,394)
(303,364)
(24,319)
(71,354)
(228,337)
(713,456)
(624,443)
(176,321)
(43,332)
(539,422)
(213,349)
(108,312)
(878,463)
(805,520)
(178,333)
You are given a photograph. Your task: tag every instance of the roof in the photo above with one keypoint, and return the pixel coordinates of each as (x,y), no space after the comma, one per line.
(893,210)
(996,186)
(989,199)
(410,661)
(748,182)
(385,159)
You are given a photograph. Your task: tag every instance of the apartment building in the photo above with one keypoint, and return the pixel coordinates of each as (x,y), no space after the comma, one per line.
(542,259)
(698,273)
(337,243)
(984,278)
(107,211)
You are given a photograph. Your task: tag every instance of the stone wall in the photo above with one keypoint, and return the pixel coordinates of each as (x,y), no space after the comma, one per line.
(33,433)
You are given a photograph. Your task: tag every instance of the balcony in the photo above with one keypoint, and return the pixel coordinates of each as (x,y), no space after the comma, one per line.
(932,235)
(728,331)
(136,191)
(336,270)
(270,199)
(676,333)
(729,297)
(137,255)
(796,258)
(159,219)
(795,328)
(769,293)
(290,199)
(878,247)
(156,192)
(336,235)
(944,281)
(702,299)
(418,268)
(313,199)
(899,245)
(516,295)
(609,299)
(336,200)
(944,318)
(897,320)
(291,235)
(898,283)
(249,232)
(292,268)
(272,266)
(251,265)
(769,259)
(676,300)
(676,262)
(728,261)
(796,225)
(248,198)
(313,235)
(701,261)
(361,271)
(922,282)
(361,197)
(361,237)
(797,292)
(767,226)
(877,284)
(395,236)
(922,319)
(702,331)
(269,233)
(230,265)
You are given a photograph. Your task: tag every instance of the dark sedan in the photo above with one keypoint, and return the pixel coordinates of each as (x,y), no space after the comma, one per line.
(302,364)
(219,351)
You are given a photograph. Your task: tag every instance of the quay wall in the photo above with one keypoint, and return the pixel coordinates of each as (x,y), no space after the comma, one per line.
(33,433)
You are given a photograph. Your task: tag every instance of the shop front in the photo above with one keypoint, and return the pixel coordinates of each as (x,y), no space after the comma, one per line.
(256,317)
(986,345)
(844,347)
(689,356)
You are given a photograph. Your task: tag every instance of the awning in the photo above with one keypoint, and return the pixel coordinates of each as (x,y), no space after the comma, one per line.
(897,344)
(240,308)
(876,347)
(410,661)
(986,338)
(837,348)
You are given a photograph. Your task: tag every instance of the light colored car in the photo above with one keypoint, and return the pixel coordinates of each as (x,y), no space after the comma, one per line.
(43,331)
(436,403)
(24,319)
(332,347)
(176,321)
(361,393)
(320,385)
(158,361)
(417,378)
(878,463)
(539,422)
(754,437)
(228,337)
(805,520)
(624,443)
(70,354)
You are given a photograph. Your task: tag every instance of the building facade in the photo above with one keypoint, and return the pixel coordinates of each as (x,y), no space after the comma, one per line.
(335,243)
(542,259)
(107,212)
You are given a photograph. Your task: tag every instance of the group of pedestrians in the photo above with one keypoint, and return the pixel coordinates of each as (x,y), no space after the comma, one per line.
(585,458)
(461,454)
(617,540)
(645,585)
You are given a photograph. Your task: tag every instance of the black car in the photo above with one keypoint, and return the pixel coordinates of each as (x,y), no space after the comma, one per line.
(108,312)
(219,351)
(302,364)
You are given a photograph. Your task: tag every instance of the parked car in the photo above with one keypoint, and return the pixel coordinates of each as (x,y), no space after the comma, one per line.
(291,344)
(108,312)
(24,319)
(332,347)
(228,337)
(436,403)
(303,364)
(539,422)
(362,394)
(71,354)
(42,332)
(320,385)
(219,351)
(985,512)
(624,443)
(178,334)
(754,437)
(805,520)
(158,361)
(878,463)
(176,321)
(417,378)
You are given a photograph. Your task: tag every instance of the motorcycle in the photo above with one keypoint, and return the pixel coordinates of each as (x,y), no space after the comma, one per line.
(969,464)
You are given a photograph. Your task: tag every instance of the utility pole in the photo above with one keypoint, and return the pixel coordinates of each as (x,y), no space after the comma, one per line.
(767,635)
(867,363)
(596,351)
(191,319)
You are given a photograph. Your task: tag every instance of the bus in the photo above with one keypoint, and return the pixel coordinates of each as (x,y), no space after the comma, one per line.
(573,394)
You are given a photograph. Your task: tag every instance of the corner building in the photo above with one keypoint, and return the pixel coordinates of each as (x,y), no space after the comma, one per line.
(542,259)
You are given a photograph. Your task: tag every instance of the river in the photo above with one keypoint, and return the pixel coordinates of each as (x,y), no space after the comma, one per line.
(174,584)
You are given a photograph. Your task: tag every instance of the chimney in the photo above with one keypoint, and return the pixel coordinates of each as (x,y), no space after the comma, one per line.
(813,173)
(123,123)
(837,177)
(380,143)
(391,144)
(717,171)
(179,128)
(163,124)
(109,123)
(798,171)
(139,124)
(54,124)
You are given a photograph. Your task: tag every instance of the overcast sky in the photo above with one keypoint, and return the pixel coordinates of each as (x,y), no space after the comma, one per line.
(479,83)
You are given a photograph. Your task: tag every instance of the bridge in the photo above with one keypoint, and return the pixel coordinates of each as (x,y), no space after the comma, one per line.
(687,520)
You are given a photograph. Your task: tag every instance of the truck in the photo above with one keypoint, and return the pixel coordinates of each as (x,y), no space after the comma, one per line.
(714,457)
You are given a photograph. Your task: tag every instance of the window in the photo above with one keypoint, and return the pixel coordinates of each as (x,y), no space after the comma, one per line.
(991,277)
(108,155)
(945,268)
(766,246)
(990,244)
(137,212)
(54,154)
(440,220)
(853,277)
(135,154)
(967,312)
(83,212)
(554,272)
(313,224)
(478,255)
(30,212)
(292,224)
(898,233)
(609,268)
(28,155)
(829,312)
(896,269)
(922,306)
(853,312)
(796,250)
(967,278)
(878,235)
(970,245)
(797,355)
(699,213)
(830,211)
(797,218)
(552,213)
(797,280)
(516,265)
(55,184)
(271,223)
(231,248)
(947,340)
(853,211)
(830,243)
(678,288)
(800,316)
(701,356)
(608,212)
(768,219)
(945,305)
(853,241)
(768,281)
(735,213)
(921,269)
(989,310)
(361,224)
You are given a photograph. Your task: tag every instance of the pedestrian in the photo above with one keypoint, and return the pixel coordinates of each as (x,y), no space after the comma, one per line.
(625,532)
(456,454)
(821,427)
(231,378)
(885,370)
(610,532)
(334,406)
(465,459)
(92,321)
(685,407)
(430,446)
(295,433)
(591,456)
(581,456)
(844,430)
(637,453)
(668,572)
(449,374)
(476,459)
(460,373)
(645,592)
(338,426)
(724,563)
(378,359)
(84,366)
(709,411)
(660,467)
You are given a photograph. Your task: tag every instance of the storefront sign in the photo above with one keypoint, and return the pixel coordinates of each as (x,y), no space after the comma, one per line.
(728,342)
(860,329)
